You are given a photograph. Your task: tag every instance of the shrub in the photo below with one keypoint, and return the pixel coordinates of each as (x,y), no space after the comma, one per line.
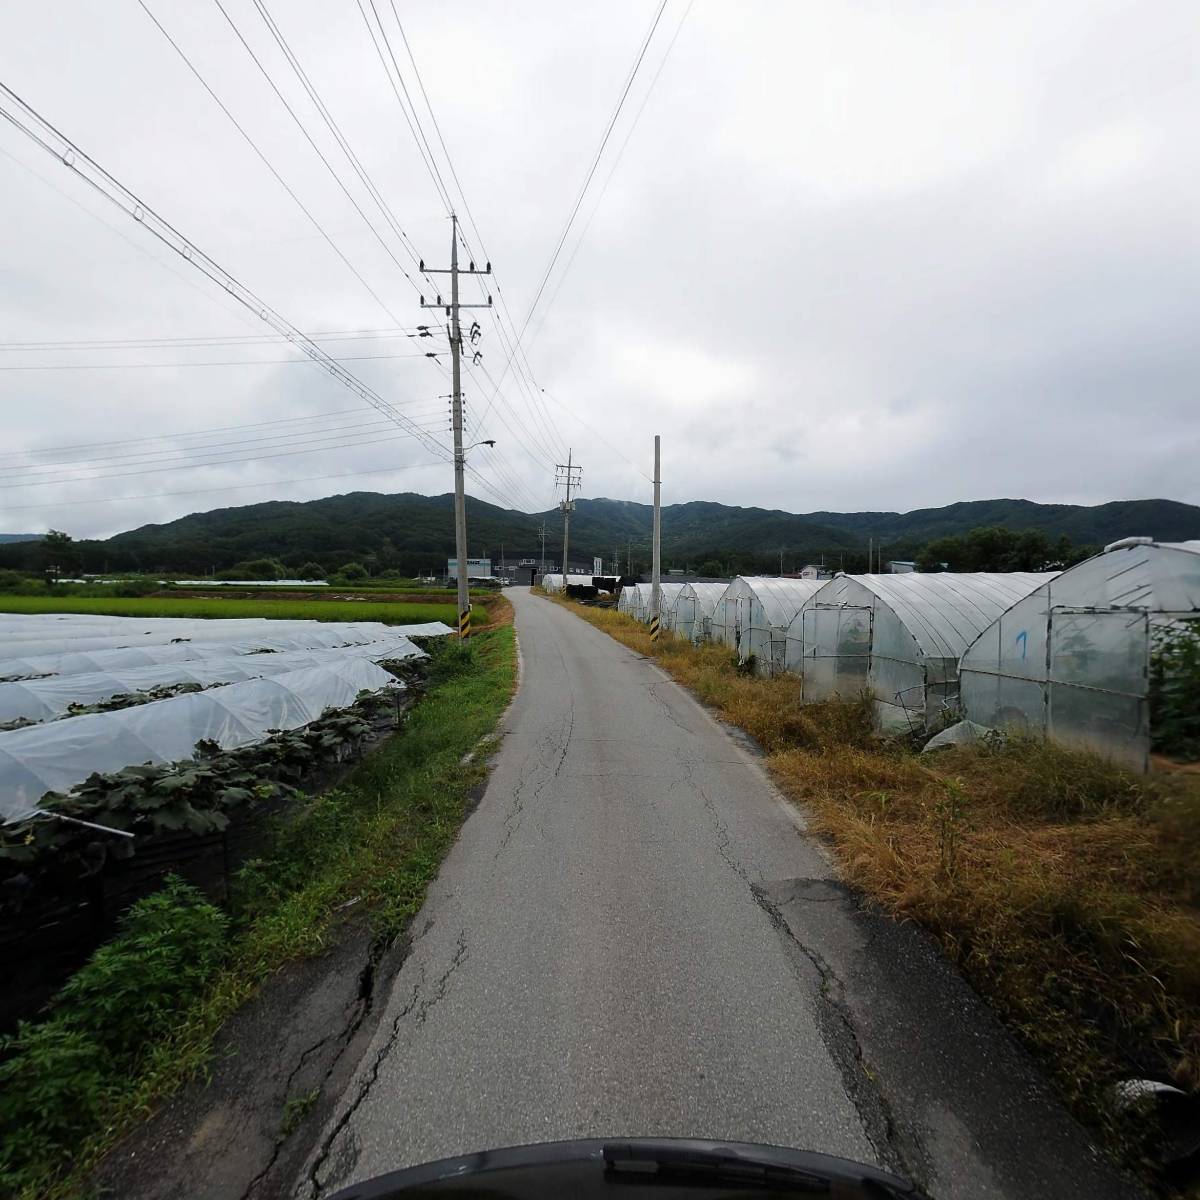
(312,570)
(353,570)
(1175,690)
(56,1075)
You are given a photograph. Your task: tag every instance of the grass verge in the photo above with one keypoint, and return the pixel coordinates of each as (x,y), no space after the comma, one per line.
(1066,889)
(74,1082)
(395,612)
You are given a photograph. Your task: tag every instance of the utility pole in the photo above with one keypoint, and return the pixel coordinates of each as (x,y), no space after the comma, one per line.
(460,457)
(568,475)
(656,553)
(543,536)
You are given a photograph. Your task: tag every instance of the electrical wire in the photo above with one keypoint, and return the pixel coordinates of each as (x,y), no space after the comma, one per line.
(233,362)
(232,487)
(587,182)
(158,455)
(335,129)
(319,152)
(191,466)
(612,170)
(508,345)
(424,151)
(256,339)
(268,164)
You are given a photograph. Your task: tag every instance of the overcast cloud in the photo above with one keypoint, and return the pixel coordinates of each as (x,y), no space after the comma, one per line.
(856,255)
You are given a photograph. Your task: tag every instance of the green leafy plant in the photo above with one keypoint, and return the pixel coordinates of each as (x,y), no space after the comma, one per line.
(1175,690)
(56,1074)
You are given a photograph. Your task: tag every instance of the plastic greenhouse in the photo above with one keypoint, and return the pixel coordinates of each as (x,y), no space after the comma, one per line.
(312,635)
(754,613)
(52,697)
(61,754)
(552,583)
(899,637)
(627,600)
(690,615)
(1073,660)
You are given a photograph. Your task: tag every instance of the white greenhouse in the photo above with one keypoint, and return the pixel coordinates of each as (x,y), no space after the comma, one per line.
(690,616)
(754,613)
(60,755)
(899,637)
(1073,659)
(552,583)
(627,600)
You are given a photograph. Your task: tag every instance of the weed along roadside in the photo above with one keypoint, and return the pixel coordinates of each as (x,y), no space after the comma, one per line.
(137,1023)
(1064,888)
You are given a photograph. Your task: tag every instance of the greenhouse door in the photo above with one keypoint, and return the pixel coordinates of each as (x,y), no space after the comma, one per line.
(837,650)
(1099,683)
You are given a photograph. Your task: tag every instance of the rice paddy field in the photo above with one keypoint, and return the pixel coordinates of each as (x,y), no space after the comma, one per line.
(392,612)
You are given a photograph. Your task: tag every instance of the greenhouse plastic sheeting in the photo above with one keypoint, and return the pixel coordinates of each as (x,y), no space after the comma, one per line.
(553,583)
(277,636)
(167,630)
(62,754)
(691,613)
(1072,659)
(50,698)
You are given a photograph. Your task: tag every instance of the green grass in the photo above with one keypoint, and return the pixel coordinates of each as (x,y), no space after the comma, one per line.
(391,612)
(380,837)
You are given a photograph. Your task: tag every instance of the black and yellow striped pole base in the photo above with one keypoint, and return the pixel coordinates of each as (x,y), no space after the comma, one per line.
(464,624)
(655,626)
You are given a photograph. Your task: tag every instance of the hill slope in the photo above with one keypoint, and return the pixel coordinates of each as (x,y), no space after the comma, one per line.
(410,532)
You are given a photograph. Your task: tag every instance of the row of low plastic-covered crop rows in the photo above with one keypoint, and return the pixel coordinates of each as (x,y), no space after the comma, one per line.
(257,676)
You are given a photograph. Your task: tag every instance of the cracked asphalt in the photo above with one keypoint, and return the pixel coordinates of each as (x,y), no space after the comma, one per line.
(634,935)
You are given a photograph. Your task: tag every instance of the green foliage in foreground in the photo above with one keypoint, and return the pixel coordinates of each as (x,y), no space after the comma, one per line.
(1175,690)
(393,612)
(58,1075)
(380,836)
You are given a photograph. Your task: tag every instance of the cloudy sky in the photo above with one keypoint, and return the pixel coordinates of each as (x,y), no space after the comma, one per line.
(853,255)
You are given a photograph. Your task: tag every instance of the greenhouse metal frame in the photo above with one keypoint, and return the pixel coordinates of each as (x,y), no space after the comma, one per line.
(690,615)
(753,615)
(898,638)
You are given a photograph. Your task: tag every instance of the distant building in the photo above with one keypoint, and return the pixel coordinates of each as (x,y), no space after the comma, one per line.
(901,567)
(477,568)
(813,571)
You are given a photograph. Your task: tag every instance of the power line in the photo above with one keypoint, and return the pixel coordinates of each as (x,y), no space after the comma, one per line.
(158,455)
(426,154)
(233,362)
(191,466)
(158,437)
(317,149)
(586,183)
(351,157)
(612,170)
(595,163)
(44,134)
(507,345)
(268,164)
(232,487)
(249,339)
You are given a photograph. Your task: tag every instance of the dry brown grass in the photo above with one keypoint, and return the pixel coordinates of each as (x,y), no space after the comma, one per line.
(1066,889)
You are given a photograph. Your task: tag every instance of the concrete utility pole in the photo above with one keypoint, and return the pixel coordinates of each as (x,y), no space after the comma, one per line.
(543,535)
(568,475)
(460,457)
(656,554)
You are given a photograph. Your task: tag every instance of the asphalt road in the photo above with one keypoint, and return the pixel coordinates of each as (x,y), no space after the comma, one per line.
(634,935)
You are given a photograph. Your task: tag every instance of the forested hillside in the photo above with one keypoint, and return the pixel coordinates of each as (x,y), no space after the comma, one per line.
(410,533)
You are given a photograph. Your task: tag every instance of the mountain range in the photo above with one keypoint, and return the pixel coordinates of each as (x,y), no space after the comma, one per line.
(408,532)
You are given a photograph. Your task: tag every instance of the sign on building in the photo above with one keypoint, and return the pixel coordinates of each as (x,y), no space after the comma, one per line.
(477,568)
